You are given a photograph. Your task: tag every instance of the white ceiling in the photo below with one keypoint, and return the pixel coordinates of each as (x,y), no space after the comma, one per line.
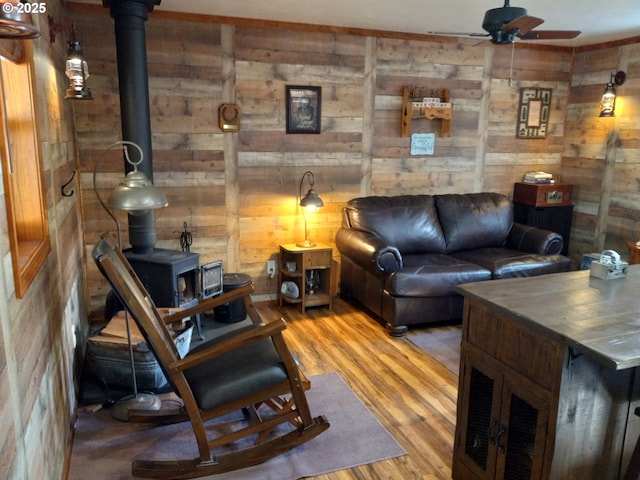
(599,20)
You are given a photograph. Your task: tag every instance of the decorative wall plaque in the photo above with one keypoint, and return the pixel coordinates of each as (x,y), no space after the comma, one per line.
(229,117)
(533,112)
(303,109)
(422,143)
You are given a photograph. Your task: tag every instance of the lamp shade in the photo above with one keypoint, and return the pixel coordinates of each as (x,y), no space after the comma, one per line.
(311,200)
(15,22)
(136,193)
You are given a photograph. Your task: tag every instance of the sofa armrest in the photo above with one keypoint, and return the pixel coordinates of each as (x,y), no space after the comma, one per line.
(526,238)
(368,250)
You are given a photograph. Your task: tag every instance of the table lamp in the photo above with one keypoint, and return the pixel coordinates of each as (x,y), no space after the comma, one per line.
(309,203)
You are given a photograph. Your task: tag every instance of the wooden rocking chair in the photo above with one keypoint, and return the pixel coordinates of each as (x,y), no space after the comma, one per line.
(241,370)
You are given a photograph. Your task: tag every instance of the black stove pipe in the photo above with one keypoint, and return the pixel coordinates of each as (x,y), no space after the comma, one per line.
(131,48)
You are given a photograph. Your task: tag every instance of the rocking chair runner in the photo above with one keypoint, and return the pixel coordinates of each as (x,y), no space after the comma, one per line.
(244,369)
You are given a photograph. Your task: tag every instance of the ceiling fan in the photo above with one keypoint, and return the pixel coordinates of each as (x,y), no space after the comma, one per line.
(506,24)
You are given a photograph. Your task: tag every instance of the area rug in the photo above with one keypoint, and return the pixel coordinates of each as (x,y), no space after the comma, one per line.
(443,345)
(104,448)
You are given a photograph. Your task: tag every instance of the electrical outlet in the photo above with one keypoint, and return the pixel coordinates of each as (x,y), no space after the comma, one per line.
(271,268)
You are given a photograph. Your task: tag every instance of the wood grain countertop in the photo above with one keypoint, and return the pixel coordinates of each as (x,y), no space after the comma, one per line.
(599,318)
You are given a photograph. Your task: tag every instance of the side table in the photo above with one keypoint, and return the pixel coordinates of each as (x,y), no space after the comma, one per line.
(305,277)
(545,205)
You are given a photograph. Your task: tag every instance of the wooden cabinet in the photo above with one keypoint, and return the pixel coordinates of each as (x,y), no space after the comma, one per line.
(549,378)
(311,270)
(507,382)
(545,206)
(503,434)
(556,219)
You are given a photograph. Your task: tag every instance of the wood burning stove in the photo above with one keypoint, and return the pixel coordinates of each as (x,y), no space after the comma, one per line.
(170,276)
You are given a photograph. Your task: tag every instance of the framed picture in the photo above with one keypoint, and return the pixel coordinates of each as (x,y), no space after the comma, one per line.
(533,112)
(303,109)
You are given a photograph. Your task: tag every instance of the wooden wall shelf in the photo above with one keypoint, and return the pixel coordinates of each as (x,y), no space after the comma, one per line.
(413,107)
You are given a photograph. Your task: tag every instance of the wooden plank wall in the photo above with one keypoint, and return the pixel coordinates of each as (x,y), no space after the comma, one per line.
(237,192)
(601,155)
(38,353)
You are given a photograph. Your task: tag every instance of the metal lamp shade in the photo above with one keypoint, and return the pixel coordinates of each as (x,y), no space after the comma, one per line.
(136,194)
(14,23)
(311,200)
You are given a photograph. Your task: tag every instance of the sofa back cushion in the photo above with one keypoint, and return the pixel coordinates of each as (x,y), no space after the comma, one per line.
(474,220)
(407,222)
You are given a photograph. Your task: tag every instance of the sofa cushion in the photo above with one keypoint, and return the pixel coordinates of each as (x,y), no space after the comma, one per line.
(407,222)
(474,220)
(432,275)
(506,263)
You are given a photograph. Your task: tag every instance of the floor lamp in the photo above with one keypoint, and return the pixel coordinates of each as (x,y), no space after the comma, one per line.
(135,194)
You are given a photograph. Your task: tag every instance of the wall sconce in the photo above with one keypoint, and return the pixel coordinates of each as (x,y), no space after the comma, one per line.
(76,67)
(15,21)
(608,102)
(309,203)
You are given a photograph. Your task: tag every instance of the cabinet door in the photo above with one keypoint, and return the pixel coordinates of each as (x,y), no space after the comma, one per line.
(522,435)
(480,420)
(503,426)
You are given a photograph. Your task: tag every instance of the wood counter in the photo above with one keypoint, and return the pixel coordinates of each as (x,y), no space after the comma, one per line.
(548,377)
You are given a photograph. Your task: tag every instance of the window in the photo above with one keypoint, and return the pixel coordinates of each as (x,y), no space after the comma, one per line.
(22,172)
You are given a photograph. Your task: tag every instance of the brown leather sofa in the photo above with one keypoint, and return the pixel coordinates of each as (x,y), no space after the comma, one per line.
(402,256)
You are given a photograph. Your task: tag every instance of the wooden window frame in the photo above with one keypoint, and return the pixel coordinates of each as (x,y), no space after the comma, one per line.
(22,171)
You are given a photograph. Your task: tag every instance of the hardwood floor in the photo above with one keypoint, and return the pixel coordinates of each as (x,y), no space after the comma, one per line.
(411,394)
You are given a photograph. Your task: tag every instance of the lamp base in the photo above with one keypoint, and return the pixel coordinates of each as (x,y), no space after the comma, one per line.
(139,401)
(306,244)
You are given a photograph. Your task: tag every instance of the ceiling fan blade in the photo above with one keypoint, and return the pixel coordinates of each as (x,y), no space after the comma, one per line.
(459,34)
(550,35)
(523,24)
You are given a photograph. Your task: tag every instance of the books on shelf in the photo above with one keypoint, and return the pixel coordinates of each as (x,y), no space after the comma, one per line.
(538,177)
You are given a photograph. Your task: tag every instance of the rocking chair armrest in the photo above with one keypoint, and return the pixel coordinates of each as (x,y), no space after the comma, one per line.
(208,304)
(259,332)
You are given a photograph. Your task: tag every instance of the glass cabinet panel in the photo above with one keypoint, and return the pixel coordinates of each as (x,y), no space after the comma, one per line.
(523,419)
(480,423)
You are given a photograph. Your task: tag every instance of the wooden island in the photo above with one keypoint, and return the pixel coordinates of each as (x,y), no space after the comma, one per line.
(549,378)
